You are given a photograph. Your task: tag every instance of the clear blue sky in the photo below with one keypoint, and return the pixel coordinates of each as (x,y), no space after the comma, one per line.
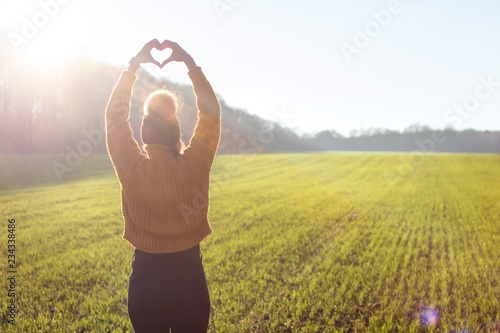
(289,57)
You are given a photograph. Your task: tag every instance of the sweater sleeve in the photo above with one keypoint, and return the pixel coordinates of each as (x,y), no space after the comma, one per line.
(206,136)
(122,147)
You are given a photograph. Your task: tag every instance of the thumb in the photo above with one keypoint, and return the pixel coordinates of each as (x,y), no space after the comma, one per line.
(153,60)
(167,61)
(157,63)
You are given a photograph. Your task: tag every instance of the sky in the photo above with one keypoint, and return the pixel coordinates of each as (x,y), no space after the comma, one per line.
(311,65)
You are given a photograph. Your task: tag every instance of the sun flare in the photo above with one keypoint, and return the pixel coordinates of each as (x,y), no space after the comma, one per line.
(38,35)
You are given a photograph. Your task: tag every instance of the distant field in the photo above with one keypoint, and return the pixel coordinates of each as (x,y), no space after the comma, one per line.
(332,242)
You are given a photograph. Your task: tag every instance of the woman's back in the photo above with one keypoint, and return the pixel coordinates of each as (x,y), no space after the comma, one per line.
(165,195)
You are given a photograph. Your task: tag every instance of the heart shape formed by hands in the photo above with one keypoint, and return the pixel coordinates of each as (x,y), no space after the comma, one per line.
(154,49)
(161,53)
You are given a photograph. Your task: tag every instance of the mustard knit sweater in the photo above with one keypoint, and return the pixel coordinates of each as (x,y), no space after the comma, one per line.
(165,198)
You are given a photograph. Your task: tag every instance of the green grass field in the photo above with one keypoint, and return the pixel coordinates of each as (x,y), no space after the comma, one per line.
(302,243)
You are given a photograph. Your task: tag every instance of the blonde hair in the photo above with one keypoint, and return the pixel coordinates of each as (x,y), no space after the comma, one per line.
(160,124)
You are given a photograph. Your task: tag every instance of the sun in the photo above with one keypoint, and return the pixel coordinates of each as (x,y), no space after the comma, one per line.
(10,13)
(47,35)
(39,33)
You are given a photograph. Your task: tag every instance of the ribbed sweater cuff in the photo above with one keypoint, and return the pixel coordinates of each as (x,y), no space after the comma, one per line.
(196,74)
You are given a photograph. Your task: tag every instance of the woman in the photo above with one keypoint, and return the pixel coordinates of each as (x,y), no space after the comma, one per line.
(165,197)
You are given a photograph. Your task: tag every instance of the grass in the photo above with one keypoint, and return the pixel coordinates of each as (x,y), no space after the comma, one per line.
(301,243)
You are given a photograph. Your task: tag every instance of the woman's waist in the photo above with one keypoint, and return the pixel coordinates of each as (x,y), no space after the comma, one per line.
(192,255)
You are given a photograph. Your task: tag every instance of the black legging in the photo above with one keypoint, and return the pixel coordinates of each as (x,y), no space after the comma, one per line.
(168,291)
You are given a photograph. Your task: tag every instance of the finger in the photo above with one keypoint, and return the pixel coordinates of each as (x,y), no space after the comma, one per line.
(166,61)
(160,46)
(153,43)
(157,63)
(169,43)
(163,45)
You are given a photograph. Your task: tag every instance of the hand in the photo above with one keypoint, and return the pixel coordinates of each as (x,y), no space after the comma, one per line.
(178,54)
(144,55)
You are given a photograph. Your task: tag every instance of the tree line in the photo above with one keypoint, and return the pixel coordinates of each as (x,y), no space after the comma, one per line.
(62,111)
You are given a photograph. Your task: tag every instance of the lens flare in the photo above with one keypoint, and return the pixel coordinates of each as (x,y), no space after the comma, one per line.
(429,317)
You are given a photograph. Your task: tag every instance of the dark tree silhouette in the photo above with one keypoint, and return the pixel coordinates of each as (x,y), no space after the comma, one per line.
(56,111)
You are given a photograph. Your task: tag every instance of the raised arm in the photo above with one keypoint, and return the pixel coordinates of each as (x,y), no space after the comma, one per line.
(122,147)
(206,135)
